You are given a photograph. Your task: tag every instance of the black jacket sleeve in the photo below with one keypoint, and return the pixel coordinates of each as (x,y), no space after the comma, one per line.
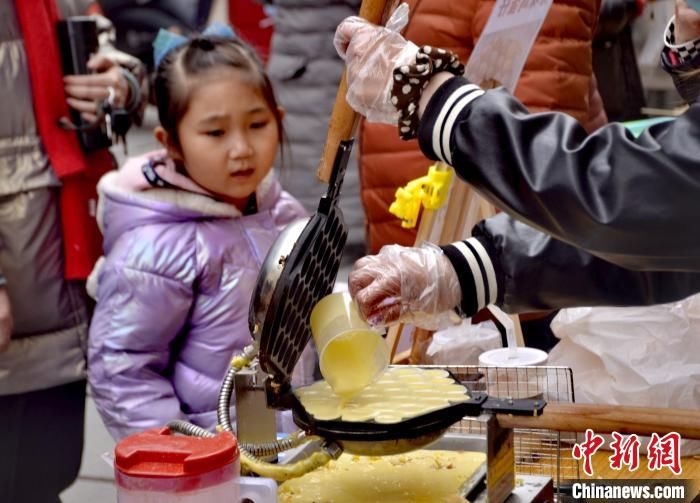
(525,270)
(630,201)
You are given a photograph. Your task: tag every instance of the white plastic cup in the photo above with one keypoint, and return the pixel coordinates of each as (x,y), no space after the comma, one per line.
(512,375)
(351,353)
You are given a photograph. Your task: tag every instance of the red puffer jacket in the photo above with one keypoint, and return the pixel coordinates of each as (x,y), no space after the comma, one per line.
(557,76)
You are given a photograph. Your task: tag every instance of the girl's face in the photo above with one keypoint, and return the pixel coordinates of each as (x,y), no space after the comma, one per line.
(228,136)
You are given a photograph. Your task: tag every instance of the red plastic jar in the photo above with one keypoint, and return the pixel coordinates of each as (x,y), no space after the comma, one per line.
(158,467)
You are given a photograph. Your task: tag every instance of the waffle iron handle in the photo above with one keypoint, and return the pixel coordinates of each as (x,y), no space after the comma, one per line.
(344,120)
(608,418)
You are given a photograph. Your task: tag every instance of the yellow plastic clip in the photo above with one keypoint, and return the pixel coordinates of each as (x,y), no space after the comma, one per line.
(436,187)
(406,206)
(429,190)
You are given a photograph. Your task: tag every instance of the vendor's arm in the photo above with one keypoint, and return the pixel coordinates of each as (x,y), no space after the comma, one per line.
(506,263)
(629,201)
(534,272)
(607,187)
(138,316)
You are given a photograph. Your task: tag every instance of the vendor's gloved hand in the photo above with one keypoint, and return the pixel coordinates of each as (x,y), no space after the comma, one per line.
(410,285)
(371,53)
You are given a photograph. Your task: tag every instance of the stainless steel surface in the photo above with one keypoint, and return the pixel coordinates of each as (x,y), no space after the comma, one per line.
(270,273)
(255,422)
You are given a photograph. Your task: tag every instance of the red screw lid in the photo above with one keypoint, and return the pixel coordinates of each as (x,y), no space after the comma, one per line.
(158,453)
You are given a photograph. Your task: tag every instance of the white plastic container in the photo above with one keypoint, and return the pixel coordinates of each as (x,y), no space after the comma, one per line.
(158,467)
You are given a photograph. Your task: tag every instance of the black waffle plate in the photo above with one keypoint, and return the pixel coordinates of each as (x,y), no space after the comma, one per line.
(366,431)
(372,431)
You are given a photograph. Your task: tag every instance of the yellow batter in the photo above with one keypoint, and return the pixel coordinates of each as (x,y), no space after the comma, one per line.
(397,394)
(418,476)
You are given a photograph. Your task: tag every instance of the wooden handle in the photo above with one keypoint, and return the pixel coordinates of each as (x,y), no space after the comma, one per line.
(344,119)
(608,418)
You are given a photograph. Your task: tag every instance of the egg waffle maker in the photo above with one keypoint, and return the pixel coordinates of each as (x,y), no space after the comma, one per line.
(297,273)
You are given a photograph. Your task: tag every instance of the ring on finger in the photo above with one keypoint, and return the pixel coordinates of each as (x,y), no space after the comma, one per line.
(111,94)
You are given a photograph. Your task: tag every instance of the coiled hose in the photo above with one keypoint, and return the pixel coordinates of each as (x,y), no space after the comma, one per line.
(275,447)
(189,429)
(250,453)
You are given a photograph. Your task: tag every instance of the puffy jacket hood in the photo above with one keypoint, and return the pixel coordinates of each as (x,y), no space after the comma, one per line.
(128,201)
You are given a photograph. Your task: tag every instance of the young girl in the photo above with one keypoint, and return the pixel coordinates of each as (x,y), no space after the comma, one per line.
(185,232)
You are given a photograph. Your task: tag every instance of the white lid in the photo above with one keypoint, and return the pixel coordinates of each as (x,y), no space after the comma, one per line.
(504,357)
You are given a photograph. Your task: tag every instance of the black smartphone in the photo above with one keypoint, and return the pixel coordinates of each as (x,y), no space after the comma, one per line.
(77,39)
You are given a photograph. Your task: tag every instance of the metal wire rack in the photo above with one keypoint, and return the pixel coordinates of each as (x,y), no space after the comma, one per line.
(537,452)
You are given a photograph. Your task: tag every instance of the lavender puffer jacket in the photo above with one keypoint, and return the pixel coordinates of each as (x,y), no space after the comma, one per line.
(173,293)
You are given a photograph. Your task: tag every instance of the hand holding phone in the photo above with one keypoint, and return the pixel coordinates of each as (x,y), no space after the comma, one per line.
(85,92)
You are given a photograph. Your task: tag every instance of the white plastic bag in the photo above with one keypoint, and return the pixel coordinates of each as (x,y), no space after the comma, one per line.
(462,344)
(645,356)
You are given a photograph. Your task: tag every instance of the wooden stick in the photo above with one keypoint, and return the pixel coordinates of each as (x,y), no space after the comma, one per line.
(437,228)
(402,358)
(455,206)
(608,418)
(427,221)
(393,336)
(344,119)
(436,224)
(420,338)
(475,209)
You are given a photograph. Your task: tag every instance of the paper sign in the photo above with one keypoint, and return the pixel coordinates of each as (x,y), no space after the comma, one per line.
(501,52)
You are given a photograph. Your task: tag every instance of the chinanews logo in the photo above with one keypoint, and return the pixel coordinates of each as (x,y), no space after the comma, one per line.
(662,452)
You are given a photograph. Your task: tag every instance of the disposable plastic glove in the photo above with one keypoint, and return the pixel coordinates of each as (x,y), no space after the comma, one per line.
(371,53)
(410,285)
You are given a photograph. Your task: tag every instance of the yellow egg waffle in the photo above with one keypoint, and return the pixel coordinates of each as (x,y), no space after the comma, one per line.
(398,394)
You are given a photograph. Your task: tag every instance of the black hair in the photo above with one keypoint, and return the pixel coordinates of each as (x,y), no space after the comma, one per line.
(198,55)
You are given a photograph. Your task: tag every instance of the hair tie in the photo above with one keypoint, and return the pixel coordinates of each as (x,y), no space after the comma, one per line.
(202,43)
(167,41)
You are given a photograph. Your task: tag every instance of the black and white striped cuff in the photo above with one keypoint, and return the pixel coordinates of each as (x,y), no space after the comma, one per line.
(476,274)
(450,101)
